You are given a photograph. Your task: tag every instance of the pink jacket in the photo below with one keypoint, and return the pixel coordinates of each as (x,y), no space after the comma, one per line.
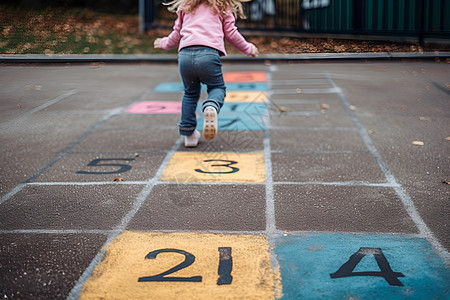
(204,28)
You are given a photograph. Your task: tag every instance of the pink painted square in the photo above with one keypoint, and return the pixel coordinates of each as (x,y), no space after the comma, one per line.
(155,107)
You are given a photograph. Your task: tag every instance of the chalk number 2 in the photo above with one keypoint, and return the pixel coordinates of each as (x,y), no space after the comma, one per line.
(225,267)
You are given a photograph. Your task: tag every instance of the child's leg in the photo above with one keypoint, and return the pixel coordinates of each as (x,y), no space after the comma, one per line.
(192,89)
(188,121)
(212,76)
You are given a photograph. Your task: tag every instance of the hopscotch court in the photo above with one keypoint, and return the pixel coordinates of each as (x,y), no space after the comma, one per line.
(259,213)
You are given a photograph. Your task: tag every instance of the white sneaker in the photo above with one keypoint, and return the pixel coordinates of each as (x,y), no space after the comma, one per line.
(209,123)
(192,140)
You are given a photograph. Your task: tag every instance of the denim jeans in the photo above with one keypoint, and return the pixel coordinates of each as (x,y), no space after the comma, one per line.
(199,65)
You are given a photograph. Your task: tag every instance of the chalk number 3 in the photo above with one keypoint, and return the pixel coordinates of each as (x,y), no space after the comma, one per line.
(227,164)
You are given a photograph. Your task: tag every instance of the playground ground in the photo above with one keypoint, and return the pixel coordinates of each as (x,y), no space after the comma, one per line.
(327,180)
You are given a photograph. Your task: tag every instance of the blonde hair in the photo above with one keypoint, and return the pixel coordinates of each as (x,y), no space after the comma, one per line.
(217,6)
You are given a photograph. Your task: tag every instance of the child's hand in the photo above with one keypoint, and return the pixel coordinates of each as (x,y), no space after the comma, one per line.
(255,51)
(157,43)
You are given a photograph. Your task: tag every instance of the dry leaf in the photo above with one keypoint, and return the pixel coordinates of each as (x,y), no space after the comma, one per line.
(298,90)
(324,106)
(418,143)
(447,138)
(36,87)
(284,109)
(422,118)
(352,107)
(118,179)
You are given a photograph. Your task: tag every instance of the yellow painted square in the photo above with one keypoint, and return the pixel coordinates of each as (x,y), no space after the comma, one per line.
(251,97)
(117,275)
(215,167)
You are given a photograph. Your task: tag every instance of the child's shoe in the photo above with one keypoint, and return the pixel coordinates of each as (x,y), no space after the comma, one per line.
(192,140)
(209,123)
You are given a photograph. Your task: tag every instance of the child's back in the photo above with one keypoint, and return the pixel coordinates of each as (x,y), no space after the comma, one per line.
(199,33)
(207,27)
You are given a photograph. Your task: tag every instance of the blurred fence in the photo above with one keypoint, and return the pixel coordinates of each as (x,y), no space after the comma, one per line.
(405,18)
(381,17)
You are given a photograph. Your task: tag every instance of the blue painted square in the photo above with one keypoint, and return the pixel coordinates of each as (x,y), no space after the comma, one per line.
(169,87)
(240,108)
(175,87)
(234,122)
(239,116)
(307,261)
(246,86)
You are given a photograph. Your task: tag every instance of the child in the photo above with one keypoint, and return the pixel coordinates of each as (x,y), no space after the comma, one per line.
(199,33)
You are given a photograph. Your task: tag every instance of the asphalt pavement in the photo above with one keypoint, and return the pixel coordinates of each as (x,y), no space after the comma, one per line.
(327,180)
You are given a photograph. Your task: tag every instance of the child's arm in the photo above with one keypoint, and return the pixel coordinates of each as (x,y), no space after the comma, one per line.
(235,38)
(173,39)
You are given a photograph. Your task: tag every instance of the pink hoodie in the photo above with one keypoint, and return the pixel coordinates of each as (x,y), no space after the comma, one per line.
(204,28)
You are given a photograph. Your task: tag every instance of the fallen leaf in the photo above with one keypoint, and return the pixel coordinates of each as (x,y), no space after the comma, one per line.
(418,143)
(352,107)
(371,131)
(36,87)
(118,179)
(324,106)
(298,90)
(95,65)
(284,109)
(447,138)
(423,118)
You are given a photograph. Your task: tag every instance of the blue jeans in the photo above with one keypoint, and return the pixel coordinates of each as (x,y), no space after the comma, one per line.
(199,65)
